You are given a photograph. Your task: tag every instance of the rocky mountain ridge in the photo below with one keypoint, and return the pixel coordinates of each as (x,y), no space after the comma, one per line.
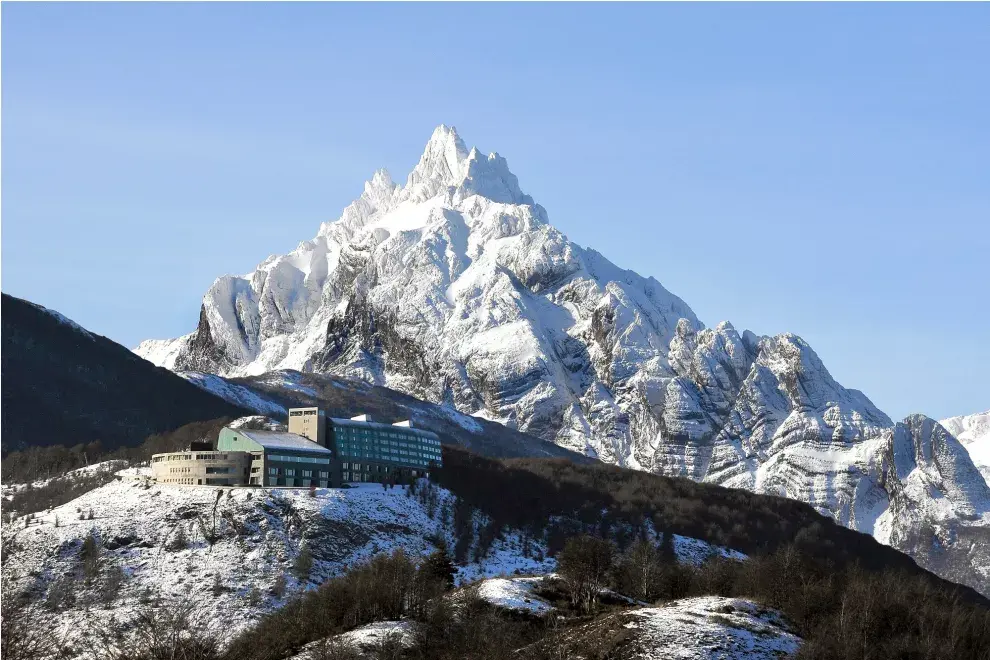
(973,431)
(456,289)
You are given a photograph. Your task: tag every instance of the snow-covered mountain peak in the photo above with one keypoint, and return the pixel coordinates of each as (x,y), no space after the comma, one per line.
(447,174)
(447,163)
(442,157)
(380,185)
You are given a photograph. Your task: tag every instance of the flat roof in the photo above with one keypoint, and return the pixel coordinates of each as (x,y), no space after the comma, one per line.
(281,440)
(339,421)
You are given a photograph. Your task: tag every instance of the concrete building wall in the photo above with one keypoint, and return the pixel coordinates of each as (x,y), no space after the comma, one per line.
(309,423)
(202,468)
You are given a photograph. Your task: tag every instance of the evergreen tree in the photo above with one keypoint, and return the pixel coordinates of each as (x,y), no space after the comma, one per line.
(439,566)
(218,587)
(91,553)
(668,553)
(179,540)
(280,586)
(303,564)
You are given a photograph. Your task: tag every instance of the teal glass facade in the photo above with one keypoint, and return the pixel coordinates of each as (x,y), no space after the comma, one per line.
(383,453)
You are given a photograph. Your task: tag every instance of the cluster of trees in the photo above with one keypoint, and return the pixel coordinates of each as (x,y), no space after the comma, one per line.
(842,613)
(388,587)
(847,614)
(556,499)
(55,492)
(40,463)
(35,463)
(159,630)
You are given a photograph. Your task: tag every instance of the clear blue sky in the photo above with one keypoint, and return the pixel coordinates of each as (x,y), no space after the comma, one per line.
(819,169)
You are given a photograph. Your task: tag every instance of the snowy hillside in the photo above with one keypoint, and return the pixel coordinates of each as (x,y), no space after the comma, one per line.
(973,431)
(702,628)
(155,542)
(259,535)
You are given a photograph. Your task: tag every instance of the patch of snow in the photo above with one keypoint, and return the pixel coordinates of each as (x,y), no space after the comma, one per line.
(363,638)
(62,319)
(267,423)
(514,594)
(695,551)
(287,380)
(233,393)
(710,627)
(104,466)
(372,633)
(136,472)
(459,418)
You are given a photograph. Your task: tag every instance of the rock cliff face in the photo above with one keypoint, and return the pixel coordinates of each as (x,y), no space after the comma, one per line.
(456,289)
(973,431)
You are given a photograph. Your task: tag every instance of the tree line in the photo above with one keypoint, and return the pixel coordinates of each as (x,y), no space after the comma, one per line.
(46,472)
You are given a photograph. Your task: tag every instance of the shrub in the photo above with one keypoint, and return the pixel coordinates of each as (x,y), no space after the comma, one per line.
(280,586)
(332,648)
(91,555)
(218,587)
(387,587)
(178,540)
(438,567)
(169,630)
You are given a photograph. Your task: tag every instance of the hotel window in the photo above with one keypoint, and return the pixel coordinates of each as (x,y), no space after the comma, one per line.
(307,473)
(290,472)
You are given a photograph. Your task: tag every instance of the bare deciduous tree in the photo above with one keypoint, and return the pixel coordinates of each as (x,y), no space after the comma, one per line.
(164,630)
(584,563)
(26,634)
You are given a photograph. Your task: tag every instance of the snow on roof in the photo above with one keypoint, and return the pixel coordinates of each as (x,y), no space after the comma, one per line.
(340,421)
(277,440)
